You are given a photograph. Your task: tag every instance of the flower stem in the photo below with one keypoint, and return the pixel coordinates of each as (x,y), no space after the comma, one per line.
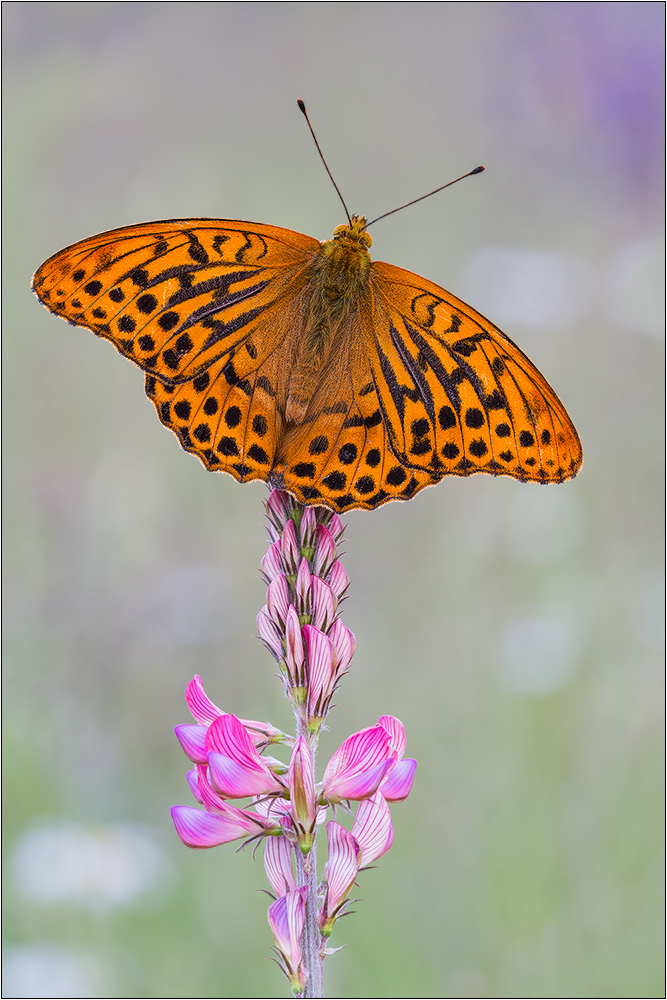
(311,937)
(306,874)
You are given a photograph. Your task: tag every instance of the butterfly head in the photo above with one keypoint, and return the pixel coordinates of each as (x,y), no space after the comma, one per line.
(354,230)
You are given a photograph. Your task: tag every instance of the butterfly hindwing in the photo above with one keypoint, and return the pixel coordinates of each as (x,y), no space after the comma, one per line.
(340,455)
(460,397)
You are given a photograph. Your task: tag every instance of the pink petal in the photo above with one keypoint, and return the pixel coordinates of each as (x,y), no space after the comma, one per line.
(360,751)
(308,527)
(193,782)
(286,918)
(277,600)
(342,866)
(199,829)
(373,828)
(193,741)
(228,736)
(234,781)
(345,644)
(337,528)
(320,663)
(323,608)
(325,552)
(278,865)
(302,786)
(201,706)
(289,548)
(269,633)
(399,782)
(294,655)
(359,785)
(302,588)
(338,579)
(214,803)
(272,563)
(277,512)
(396,732)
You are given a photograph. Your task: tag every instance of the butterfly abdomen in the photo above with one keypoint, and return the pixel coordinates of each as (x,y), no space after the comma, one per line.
(340,275)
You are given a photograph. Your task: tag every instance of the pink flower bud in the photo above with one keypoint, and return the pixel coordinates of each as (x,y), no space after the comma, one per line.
(338,579)
(286,919)
(277,600)
(295,658)
(323,605)
(302,589)
(320,669)
(277,512)
(325,552)
(302,793)
(337,528)
(289,549)
(269,634)
(272,563)
(308,527)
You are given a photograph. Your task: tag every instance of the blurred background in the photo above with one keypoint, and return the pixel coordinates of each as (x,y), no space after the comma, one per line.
(516,630)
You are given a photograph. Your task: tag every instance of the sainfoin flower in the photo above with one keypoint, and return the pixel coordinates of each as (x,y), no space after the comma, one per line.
(248,795)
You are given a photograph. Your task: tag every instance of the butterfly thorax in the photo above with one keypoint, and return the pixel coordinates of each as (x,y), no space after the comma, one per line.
(339,278)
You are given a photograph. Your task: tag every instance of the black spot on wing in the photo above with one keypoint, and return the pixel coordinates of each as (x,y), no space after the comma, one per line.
(416,373)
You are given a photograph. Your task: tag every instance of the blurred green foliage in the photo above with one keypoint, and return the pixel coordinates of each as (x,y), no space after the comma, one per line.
(527,859)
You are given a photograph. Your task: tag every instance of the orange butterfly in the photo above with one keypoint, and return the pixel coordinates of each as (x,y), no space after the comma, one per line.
(272,355)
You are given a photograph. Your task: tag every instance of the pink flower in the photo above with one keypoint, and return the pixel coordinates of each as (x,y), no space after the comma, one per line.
(286,918)
(340,872)
(236,769)
(199,829)
(358,766)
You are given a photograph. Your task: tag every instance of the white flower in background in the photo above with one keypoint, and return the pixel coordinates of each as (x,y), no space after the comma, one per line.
(92,866)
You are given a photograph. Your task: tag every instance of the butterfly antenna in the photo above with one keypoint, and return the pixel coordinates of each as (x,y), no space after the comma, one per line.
(477,170)
(305,114)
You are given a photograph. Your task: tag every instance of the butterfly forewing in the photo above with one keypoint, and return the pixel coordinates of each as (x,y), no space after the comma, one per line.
(174,296)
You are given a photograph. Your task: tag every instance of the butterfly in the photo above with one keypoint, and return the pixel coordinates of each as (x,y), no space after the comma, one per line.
(274,356)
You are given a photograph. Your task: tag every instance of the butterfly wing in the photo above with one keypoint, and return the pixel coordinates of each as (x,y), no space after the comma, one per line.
(457,395)
(210,309)
(341,454)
